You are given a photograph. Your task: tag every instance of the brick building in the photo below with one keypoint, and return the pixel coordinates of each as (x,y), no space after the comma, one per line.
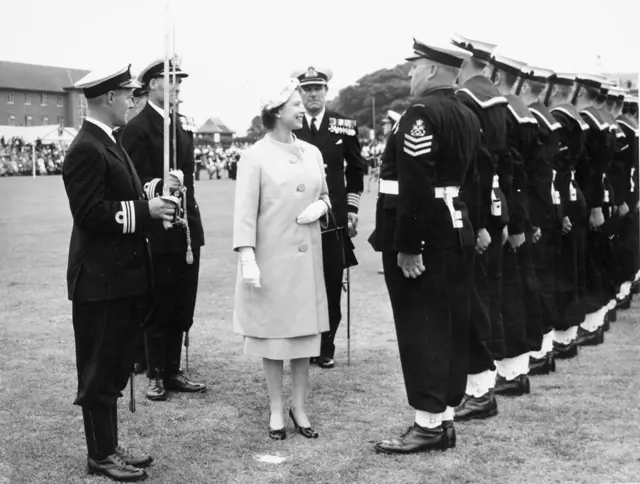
(34,95)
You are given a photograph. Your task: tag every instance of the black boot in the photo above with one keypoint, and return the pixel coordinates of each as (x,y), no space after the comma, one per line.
(565,352)
(476,407)
(155,389)
(514,388)
(175,379)
(590,338)
(540,366)
(416,439)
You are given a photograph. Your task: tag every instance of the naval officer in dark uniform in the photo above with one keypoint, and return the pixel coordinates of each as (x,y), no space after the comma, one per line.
(175,271)
(337,139)
(427,245)
(109,271)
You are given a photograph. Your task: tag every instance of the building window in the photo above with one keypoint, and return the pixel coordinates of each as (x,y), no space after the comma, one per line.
(45,121)
(27,98)
(82,109)
(60,120)
(43,99)
(60,102)
(10,98)
(27,121)
(12,120)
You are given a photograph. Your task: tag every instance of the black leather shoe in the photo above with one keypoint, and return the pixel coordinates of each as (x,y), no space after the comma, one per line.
(513,388)
(540,366)
(449,433)
(565,352)
(180,383)
(590,338)
(416,439)
(323,362)
(155,389)
(476,407)
(141,460)
(307,432)
(279,434)
(116,469)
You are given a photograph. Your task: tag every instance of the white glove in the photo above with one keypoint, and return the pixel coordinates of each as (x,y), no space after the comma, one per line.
(250,271)
(176,180)
(313,212)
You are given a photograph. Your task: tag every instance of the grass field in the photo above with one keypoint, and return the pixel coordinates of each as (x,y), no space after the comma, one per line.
(580,425)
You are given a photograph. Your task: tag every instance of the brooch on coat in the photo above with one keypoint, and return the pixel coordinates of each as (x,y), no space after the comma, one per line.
(342,126)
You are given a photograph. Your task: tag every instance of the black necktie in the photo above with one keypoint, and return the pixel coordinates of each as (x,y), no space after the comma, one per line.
(314,130)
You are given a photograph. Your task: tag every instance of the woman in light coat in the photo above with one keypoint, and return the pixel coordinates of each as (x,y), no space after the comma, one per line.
(280,299)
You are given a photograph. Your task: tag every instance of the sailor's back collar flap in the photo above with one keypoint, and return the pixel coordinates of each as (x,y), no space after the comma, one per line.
(628,122)
(541,112)
(482,92)
(593,114)
(571,111)
(519,110)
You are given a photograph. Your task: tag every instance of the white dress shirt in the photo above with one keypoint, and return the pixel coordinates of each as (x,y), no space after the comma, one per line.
(319,118)
(102,126)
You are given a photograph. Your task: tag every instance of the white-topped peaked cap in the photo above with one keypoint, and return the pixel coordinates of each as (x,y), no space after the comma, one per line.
(479,48)
(313,75)
(538,74)
(101,81)
(564,78)
(276,95)
(508,64)
(442,54)
(156,69)
(593,80)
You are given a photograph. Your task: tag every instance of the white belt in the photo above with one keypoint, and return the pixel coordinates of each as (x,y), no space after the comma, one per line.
(389,187)
(573,194)
(448,194)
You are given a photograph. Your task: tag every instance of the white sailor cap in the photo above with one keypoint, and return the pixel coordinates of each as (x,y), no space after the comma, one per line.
(391,117)
(448,56)
(480,49)
(156,69)
(615,92)
(313,75)
(507,64)
(591,80)
(278,94)
(629,99)
(100,82)
(564,78)
(537,74)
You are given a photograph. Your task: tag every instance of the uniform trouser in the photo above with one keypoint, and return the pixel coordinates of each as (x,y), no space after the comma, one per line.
(598,255)
(333,275)
(514,307)
(531,293)
(105,334)
(480,357)
(432,319)
(543,258)
(492,296)
(570,278)
(625,252)
(174,301)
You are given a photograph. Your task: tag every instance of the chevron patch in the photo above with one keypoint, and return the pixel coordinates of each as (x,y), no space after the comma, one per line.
(417,145)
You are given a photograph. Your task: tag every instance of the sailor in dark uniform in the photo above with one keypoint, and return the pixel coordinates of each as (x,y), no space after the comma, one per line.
(598,193)
(569,265)
(337,139)
(484,193)
(520,292)
(176,252)
(629,167)
(109,271)
(427,245)
(546,212)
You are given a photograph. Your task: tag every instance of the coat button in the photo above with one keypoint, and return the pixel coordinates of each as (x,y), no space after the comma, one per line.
(303,248)
(301,187)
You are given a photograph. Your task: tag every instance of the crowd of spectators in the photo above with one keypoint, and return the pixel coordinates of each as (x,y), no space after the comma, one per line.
(16,158)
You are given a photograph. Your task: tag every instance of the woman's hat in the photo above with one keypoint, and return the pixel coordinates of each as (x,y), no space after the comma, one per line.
(279,94)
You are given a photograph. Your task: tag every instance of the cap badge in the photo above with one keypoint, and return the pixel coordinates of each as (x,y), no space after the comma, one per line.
(311,72)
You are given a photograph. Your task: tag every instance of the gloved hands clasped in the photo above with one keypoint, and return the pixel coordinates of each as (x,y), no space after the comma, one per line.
(249,267)
(313,212)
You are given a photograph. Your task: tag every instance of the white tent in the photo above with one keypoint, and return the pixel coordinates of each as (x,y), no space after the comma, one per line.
(46,134)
